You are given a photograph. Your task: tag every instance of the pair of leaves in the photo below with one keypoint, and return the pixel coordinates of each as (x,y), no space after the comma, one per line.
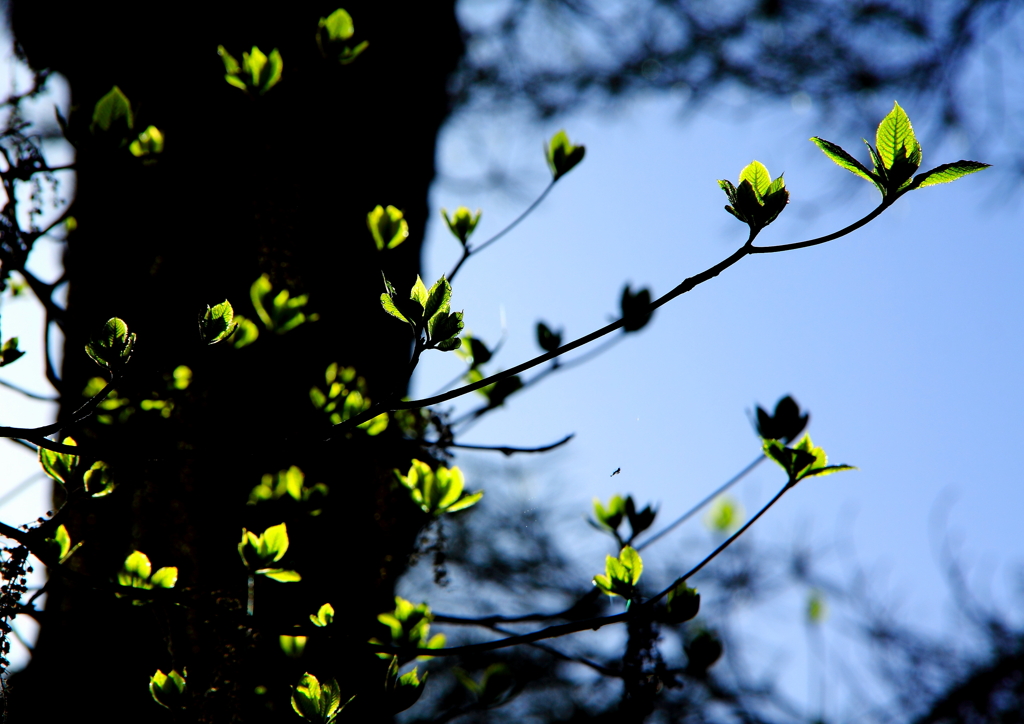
(496,685)
(290,483)
(785,424)
(280,312)
(427,311)
(257,73)
(621,574)
(59,466)
(318,702)
(169,690)
(439,491)
(323,617)
(804,460)
(895,158)
(292,646)
(756,200)
(111,346)
(258,552)
(149,143)
(137,572)
(462,223)
(403,690)
(609,517)
(217,323)
(332,34)
(388,227)
(562,156)
(636,311)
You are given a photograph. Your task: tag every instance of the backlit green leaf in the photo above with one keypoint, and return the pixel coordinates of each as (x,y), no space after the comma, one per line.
(111,109)
(895,137)
(947,173)
(59,466)
(279,574)
(842,158)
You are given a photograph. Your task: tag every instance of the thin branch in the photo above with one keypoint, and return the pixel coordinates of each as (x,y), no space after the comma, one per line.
(547,633)
(467,252)
(692,511)
(685,286)
(886,203)
(28,394)
(728,542)
(37,434)
(505,450)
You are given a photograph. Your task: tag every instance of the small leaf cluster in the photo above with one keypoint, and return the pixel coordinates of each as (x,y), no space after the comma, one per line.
(462,223)
(332,34)
(288,483)
(345,397)
(292,646)
(636,309)
(318,702)
(388,227)
(427,312)
(98,481)
(113,408)
(280,312)
(895,158)
(257,73)
(111,346)
(495,687)
(137,572)
(437,492)
(403,690)
(409,625)
(217,323)
(621,574)
(785,424)
(258,552)
(9,352)
(169,690)
(562,156)
(609,517)
(804,460)
(757,200)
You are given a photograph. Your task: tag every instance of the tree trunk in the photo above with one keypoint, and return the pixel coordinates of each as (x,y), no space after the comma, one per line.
(277,184)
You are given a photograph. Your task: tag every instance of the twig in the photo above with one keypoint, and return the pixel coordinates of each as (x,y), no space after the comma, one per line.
(467,252)
(506,450)
(692,511)
(28,394)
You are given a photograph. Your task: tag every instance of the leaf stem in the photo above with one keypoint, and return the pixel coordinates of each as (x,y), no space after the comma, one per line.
(467,252)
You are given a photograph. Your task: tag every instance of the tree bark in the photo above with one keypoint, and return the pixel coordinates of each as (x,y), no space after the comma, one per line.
(277,184)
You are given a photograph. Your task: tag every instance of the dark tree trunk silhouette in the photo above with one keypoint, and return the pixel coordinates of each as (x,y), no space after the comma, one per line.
(280,185)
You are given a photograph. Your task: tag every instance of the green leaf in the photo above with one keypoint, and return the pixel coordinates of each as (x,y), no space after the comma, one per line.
(842,158)
(465,502)
(318,702)
(621,574)
(231,66)
(59,466)
(338,25)
(438,302)
(895,137)
(419,292)
(274,542)
(165,577)
(135,571)
(389,306)
(683,603)
(217,323)
(562,156)
(247,332)
(449,345)
(725,514)
(757,175)
(387,226)
(292,646)
(110,109)
(279,574)
(111,346)
(610,516)
(947,173)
